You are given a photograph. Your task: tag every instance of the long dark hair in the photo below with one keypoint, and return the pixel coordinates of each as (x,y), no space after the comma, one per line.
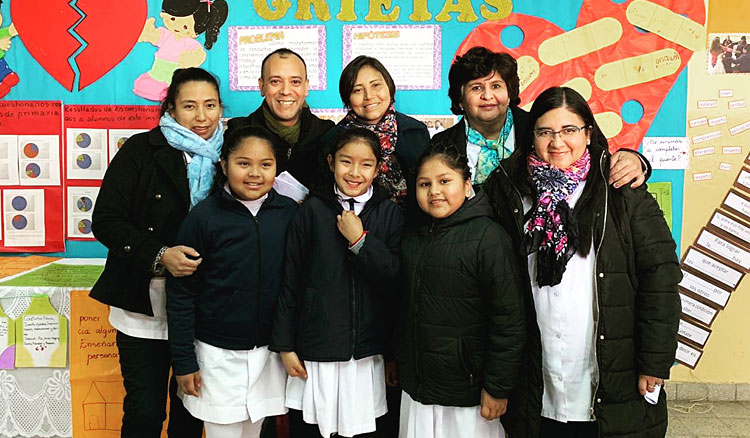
(593,193)
(350,135)
(179,78)
(209,15)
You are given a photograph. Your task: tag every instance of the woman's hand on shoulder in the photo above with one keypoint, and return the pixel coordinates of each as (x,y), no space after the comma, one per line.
(648,383)
(180,260)
(626,167)
(294,366)
(492,408)
(190,384)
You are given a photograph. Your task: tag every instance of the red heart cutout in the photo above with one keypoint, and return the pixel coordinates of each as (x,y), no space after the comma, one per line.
(111,29)
(633,42)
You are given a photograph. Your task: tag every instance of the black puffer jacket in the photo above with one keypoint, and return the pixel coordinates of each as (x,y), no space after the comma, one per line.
(333,303)
(637,304)
(461,324)
(298,159)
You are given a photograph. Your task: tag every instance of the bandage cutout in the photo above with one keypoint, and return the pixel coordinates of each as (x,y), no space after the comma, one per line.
(581,85)
(609,122)
(580,41)
(528,71)
(637,69)
(667,24)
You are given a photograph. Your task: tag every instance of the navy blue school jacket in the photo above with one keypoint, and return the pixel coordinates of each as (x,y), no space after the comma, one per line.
(229,301)
(333,303)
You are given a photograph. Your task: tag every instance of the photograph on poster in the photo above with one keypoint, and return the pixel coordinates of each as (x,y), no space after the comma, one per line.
(39,160)
(87,153)
(728,53)
(712,267)
(8,160)
(411,54)
(118,137)
(725,248)
(703,288)
(249,45)
(23,217)
(437,123)
(81,201)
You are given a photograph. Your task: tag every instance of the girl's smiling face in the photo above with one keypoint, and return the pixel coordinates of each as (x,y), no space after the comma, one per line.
(354,167)
(250,169)
(441,190)
(182,27)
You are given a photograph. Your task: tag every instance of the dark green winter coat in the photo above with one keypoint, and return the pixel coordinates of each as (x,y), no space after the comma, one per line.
(461,325)
(637,305)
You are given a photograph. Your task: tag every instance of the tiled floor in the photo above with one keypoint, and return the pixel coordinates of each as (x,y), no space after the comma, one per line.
(708,419)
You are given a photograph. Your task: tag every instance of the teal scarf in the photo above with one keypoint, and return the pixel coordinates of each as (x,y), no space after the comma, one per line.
(489,155)
(205,153)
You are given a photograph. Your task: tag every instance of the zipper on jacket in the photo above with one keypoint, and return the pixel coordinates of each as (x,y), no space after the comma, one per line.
(596,287)
(415,308)
(258,279)
(353,295)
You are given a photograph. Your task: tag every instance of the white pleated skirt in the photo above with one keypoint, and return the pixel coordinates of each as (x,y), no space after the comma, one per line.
(237,385)
(340,397)
(435,421)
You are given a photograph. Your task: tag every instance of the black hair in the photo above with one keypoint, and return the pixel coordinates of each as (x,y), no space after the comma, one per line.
(450,154)
(209,15)
(350,135)
(568,98)
(233,139)
(180,77)
(477,63)
(283,53)
(350,72)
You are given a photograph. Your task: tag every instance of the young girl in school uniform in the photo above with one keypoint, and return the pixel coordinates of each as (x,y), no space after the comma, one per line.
(340,270)
(220,317)
(461,332)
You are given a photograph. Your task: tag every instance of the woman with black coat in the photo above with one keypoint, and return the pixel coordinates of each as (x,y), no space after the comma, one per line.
(148,189)
(602,278)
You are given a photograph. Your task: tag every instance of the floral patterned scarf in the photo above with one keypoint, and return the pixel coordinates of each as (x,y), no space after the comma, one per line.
(552,230)
(391,177)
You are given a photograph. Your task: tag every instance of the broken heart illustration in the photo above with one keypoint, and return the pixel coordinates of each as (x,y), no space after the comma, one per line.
(609,60)
(79,41)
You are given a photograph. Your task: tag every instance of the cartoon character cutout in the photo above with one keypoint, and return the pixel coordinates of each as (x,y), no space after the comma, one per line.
(183,21)
(8,78)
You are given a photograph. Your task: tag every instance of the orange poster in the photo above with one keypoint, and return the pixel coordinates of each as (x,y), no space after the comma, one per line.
(95,381)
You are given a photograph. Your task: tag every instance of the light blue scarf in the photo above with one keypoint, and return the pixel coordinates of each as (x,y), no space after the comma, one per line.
(491,150)
(205,153)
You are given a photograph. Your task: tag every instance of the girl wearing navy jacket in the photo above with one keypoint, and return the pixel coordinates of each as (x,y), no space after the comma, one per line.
(220,317)
(341,264)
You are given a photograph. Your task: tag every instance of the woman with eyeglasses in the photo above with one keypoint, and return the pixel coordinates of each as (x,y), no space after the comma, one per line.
(602,275)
